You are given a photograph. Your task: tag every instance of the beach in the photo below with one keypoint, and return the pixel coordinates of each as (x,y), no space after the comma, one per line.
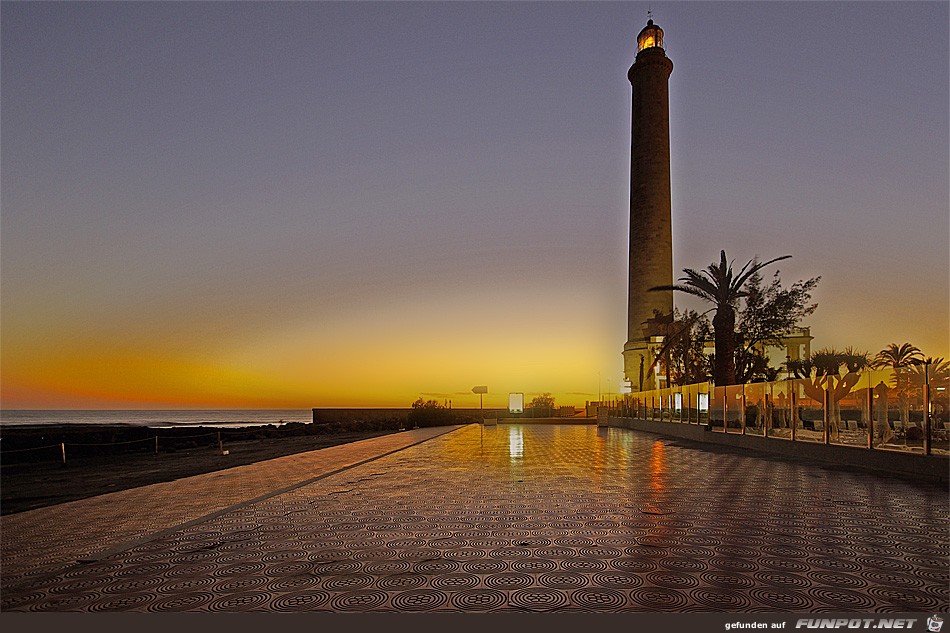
(108,458)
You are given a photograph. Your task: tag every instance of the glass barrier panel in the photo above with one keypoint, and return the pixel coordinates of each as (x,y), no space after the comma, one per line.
(703,403)
(717,403)
(735,416)
(879,380)
(756,408)
(913,381)
(810,413)
(666,410)
(678,403)
(939,412)
(892,409)
(689,403)
(693,402)
(780,409)
(847,409)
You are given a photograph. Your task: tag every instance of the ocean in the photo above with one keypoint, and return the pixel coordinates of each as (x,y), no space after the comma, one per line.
(158,418)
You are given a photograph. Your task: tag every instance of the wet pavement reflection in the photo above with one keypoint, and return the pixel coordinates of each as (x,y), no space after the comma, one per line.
(542,518)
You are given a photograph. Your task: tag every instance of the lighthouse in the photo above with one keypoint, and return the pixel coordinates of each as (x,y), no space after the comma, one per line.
(651,234)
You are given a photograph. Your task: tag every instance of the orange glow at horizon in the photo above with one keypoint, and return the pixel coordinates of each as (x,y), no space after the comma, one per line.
(351,359)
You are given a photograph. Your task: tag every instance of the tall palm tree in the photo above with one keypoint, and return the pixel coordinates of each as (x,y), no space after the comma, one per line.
(900,358)
(718,285)
(897,356)
(930,367)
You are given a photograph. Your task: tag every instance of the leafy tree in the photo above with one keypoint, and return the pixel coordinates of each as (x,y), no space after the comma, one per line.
(836,372)
(682,354)
(720,286)
(543,404)
(429,413)
(766,316)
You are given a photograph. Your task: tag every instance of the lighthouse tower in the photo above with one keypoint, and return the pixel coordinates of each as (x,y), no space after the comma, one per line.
(651,234)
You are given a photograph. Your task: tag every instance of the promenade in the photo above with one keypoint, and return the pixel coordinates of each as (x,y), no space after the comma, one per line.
(505,518)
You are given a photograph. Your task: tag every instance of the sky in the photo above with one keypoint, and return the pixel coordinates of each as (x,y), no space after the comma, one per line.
(243,205)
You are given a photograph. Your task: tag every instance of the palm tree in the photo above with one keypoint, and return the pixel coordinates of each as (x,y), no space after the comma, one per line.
(718,285)
(936,371)
(900,358)
(897,356)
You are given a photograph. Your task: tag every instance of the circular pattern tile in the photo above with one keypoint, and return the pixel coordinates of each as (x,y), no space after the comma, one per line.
(244,601)
(598,599)
(782,599)
(733,564)
(563,580)
(784,564)
(419,600)
(441,566)
(484,566)
(455,581)
(781,579)
(671,579)
(359,600)
(583,564)
(841,599)
(182,602)
(634,565)
(538,599)
(400,581)
(127,602)
(906,599)
(720,599)
(508,580)
(659,599)
(346,582)
(533,565)
(617,579)
(479,599)
(382,568)
(727,580)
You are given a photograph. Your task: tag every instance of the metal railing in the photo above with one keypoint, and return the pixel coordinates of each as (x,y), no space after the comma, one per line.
(899,410)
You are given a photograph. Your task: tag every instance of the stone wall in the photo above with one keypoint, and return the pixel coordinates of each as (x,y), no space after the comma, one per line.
(911,465)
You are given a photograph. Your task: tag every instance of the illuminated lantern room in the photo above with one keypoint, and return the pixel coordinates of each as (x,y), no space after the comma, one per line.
(650,37)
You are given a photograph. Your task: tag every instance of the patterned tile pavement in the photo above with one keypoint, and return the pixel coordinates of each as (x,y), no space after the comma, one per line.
(49,537)
(528,518)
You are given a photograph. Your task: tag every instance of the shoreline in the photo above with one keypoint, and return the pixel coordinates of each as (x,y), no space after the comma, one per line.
(103,458)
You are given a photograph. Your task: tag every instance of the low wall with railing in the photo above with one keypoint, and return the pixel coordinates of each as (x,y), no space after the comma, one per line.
(892,419)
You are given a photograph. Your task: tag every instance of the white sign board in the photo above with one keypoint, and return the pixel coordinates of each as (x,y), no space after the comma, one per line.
(515,403)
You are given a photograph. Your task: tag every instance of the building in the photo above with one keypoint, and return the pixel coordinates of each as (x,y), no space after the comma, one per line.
(651,233)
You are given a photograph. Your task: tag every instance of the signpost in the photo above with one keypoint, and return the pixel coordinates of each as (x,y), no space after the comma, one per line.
(480,390)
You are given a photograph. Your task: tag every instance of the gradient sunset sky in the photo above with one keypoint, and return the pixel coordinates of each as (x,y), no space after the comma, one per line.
(231,205)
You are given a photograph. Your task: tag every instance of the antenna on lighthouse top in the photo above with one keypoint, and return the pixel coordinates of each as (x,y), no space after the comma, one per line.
(649,15)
